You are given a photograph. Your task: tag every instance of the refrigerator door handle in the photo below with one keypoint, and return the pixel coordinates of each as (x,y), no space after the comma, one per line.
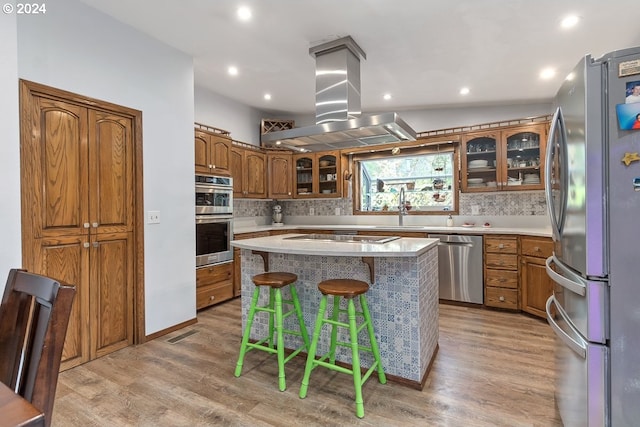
(574,286)
(557,125)
(580,348)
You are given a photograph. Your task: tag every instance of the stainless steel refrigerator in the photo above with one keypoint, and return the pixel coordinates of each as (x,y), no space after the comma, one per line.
(593,178)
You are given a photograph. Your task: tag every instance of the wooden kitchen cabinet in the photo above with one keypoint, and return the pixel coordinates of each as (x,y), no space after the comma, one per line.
(249,171)
(214,284)
(317,175)
(237,259)
(79,181)
(510,159)
(536,286)
(212,151)
(501,272)
(280,167)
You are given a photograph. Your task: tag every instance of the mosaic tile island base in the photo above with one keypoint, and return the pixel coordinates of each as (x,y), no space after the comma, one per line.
(403,301)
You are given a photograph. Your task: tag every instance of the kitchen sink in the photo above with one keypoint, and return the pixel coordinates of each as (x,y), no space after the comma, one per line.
(347,238)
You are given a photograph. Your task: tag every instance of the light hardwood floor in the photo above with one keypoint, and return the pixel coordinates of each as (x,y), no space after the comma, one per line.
(492,369)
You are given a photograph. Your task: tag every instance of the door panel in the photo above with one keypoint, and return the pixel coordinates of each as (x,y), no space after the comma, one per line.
(255,172)
(60,168)
(111,172)
(67,259)
(237,172)
(111,293)
(201,152)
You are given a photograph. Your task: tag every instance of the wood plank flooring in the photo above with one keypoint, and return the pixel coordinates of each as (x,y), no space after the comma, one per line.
(492,369)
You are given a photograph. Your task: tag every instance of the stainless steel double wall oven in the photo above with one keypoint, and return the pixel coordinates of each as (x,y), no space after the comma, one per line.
(214,219)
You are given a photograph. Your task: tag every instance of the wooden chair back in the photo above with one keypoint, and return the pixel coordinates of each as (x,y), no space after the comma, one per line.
(34,315)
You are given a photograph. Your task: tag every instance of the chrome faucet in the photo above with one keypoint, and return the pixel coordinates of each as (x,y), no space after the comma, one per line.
(402,207)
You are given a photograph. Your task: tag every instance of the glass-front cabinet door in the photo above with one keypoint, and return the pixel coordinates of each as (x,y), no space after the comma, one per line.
(328,170)
(524,158)
(317,174)
(504,160)
(303,186)
(480,161)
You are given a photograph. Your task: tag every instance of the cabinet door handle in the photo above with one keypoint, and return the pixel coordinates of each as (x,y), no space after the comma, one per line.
(212,297)
(95,225)
(96,244)
(210,166)
(501,246)
(536,248)
(87,225)
(501,299)
(86,244)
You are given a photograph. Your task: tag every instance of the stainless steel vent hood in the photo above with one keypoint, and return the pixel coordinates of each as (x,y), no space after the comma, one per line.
(338,121)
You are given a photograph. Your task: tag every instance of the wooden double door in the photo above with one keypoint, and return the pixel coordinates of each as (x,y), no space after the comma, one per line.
(79,207)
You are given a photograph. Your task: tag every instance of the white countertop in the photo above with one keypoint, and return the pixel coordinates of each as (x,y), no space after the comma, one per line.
(478,229)
(403,247)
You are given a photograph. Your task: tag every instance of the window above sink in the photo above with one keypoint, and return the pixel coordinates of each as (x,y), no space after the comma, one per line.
(427,175)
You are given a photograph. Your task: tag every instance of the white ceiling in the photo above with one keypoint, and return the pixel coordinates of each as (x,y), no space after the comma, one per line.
(420,51)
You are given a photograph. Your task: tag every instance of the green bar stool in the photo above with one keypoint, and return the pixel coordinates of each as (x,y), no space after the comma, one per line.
(275,281)
(348,289)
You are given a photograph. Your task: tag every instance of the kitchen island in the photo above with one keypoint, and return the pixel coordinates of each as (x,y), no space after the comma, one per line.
(403,297)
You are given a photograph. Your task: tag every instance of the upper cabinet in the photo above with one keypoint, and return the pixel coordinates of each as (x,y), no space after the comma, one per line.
(249,172)
(317,175)
(280,172)
(212,151)
(504,160)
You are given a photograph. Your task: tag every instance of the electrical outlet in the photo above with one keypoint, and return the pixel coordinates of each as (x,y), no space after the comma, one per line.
(475,210)
(312,211)
(153,217)
(337,211)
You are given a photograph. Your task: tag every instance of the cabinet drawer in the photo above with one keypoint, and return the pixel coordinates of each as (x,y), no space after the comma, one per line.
(541,248)
(501,298)
(501,261)
(501,245)
(501,278)
(213,294)
(214,274)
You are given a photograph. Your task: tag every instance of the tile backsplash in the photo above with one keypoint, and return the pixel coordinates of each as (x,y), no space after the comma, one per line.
(484,204)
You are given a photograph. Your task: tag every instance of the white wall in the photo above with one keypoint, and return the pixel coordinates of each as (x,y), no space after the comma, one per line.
(76,48)
(10,249)
(218,111)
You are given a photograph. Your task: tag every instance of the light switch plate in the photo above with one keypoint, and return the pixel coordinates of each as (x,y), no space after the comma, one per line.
(153,217)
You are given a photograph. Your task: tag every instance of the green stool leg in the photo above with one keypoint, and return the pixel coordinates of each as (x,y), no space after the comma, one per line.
(334,330)
(280,337)
(296,306)
(272,314)
(357,375)
(312,349)
(247,331)
(372,339)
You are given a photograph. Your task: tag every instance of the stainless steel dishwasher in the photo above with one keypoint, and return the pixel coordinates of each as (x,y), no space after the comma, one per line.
(460,267)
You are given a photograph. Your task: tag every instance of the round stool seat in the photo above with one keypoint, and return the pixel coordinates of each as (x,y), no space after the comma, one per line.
(276,279)
(347,288)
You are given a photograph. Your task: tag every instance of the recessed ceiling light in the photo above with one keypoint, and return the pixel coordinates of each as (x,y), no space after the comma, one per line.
(244,13)
(387,96)
(233,71)
(570,21)
(464,91)
(547,73)
(267,96)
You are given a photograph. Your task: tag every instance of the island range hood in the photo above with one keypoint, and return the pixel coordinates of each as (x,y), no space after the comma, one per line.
(339,123)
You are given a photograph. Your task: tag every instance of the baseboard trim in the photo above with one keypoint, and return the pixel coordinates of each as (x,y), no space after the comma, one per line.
(170,329)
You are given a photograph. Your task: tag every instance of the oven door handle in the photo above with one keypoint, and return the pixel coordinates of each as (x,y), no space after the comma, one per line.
(210,219)
(579,348)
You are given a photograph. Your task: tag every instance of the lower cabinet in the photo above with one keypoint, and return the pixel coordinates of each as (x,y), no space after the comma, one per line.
(214,284)
(237,261)
(501,272)
(536,286)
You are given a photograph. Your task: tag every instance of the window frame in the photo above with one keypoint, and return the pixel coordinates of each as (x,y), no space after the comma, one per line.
(433,148)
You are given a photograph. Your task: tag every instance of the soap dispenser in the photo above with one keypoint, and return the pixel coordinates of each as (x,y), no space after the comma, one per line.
(449,221)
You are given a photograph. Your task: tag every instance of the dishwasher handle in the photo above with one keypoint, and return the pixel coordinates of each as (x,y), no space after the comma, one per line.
(467,244)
